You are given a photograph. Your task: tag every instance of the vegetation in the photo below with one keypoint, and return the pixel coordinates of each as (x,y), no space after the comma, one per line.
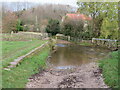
(104,18)
(109,29)
(25,28)
(13,49)
(31,19)
(18,77)
(53,27)
(9,22)
(88,32)
(47,19)
(19,25)
(104,22)
(73,28)
(109,68)
(43,12)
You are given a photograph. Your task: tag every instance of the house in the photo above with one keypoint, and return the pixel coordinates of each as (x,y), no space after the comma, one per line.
(77,17)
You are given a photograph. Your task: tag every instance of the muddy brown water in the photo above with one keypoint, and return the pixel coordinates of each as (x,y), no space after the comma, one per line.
(70,67)
(69,55)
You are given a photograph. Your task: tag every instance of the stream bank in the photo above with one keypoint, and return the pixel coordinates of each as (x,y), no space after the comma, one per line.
(71,66)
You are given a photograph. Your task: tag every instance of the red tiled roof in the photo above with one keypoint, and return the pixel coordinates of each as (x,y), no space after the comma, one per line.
(78,16)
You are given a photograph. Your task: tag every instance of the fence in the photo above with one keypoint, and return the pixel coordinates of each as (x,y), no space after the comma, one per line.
(21,36)
(113,44)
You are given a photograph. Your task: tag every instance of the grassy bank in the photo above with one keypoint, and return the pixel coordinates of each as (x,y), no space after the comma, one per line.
(18,77)
(110,69)
(13,49)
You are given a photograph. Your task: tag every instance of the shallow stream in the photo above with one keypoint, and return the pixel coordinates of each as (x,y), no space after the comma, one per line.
(69,56)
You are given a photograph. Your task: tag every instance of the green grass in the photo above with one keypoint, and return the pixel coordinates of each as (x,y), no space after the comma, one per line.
(13,49)
(110,69)
(18,77)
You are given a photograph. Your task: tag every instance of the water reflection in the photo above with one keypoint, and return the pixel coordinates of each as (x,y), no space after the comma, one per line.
(73,55)
(61,45)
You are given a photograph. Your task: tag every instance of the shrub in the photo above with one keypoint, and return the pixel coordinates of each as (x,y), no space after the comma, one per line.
(73,28)
(19,25)
(53,27)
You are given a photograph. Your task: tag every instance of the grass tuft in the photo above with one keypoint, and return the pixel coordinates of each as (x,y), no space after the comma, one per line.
(110,69)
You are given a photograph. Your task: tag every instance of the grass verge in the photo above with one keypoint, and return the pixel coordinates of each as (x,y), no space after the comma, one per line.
(109,68)
(18,77)
(13,49)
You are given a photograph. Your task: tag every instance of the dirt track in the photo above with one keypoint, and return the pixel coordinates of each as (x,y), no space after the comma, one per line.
(86,76)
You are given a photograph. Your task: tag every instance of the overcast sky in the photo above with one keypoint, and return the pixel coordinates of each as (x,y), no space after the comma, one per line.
(65,2)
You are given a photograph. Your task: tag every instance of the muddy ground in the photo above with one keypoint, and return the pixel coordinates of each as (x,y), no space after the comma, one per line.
(85,76)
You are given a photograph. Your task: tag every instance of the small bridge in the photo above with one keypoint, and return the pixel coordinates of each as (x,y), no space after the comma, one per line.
(112,44)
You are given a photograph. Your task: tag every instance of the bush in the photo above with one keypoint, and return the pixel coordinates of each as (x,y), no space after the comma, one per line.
(88,32)
(73,28)
(53,27)
(19,25)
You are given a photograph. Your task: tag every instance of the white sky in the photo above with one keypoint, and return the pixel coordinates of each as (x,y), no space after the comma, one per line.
(65,2)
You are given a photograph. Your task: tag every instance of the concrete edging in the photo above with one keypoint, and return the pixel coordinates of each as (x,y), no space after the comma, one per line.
(19,59)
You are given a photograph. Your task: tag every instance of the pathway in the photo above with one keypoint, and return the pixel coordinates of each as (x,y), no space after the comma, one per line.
(85,76)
